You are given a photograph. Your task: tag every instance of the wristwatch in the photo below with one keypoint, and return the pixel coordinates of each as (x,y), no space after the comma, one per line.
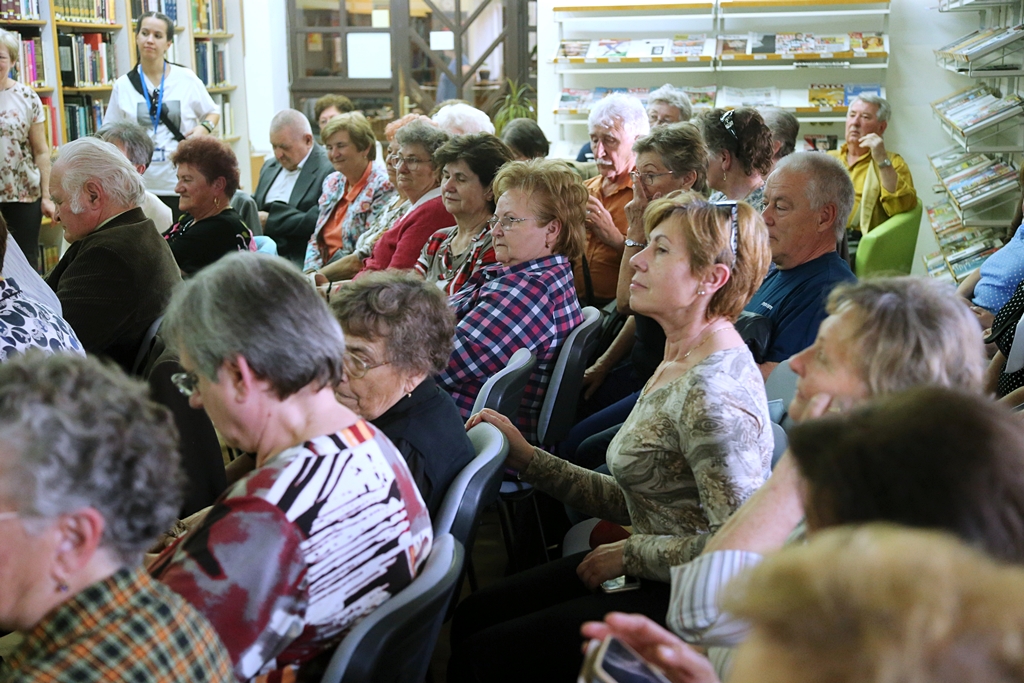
(887,163)
(208,125)
(638,245)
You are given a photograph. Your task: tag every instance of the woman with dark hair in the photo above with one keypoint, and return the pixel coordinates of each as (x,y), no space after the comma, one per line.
(209,227)
(468,165)
(740,154)
(169,101)
(526,140)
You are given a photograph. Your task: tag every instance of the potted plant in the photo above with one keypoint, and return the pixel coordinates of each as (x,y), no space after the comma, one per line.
(516,105)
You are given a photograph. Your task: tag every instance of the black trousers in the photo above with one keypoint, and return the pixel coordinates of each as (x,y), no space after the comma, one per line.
(23,220)
(172,203)
(527,628)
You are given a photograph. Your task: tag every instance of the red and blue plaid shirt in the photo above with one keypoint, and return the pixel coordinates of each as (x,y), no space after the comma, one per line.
(502,309)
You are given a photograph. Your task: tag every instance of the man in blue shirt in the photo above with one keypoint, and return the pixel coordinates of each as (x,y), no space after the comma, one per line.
(808,199)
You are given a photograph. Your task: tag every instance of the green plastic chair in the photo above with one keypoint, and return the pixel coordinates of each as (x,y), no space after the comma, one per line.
(890,247)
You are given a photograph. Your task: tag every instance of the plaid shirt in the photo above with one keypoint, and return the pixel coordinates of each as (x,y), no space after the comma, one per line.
(502,309)
(127,627)
(448,271)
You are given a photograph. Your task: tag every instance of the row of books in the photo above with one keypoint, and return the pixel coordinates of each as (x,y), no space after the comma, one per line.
(980,43)
(208,16)
(168,7)
(700,46)
(226,127)
(212,63)
(86,59)
(87,11)
(29,69)
(976,107)
(19,10)
(82,116)
(961,249)
(971,178)
(819,97)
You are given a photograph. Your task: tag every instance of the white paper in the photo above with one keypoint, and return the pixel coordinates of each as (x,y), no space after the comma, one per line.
(442,40)
(380,18)
(369,55)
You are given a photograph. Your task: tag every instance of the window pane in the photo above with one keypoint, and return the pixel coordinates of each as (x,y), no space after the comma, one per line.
(319,13)
(360,12)
(320,55)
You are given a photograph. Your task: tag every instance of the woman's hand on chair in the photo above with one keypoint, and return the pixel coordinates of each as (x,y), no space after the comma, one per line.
(520,452)
(602,563)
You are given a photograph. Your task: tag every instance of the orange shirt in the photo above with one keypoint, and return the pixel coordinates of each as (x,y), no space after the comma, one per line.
(603,260)
(331,232)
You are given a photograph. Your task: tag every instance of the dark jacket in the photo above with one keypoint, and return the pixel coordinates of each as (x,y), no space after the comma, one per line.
(292,224)
(113,283)
(428,431)
(205,241)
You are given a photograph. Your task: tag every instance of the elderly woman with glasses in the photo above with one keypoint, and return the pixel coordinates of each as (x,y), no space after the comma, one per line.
(398,335)
(697,444)
(88,479)
(329,524)
(741,154)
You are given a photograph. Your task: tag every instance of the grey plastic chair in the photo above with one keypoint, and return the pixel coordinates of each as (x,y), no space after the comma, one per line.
(245,205)
(503,392)
(146,346)
(393,644)
(558,411)
(781,385)
(781,443)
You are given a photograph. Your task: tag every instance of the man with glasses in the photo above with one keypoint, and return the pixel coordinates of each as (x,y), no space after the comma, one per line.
(290,184)
(807,200)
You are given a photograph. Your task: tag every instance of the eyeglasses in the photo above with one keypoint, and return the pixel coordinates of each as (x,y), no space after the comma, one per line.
(357,367)
(734,215)
(412,162)
(647,178)
(186,382)
(728,123)
(506,222)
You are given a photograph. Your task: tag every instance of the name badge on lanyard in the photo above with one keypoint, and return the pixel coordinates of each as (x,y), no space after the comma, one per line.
(155,109)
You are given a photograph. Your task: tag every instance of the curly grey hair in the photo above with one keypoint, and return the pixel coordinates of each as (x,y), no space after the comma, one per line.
(138,146)
(78,433)
(674,97)
(259,307)
(620,110)
(88,159)
(411,316)
(429,137)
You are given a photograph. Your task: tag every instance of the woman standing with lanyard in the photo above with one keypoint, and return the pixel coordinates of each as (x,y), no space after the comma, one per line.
(168,100)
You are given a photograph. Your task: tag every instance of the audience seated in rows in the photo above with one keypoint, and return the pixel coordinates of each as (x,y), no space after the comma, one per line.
(741,154)
(525,300)
(329,524)
(665,105)
(291,183)
(116,277)
(785,128)
(881,179)
(526,139)
(460,118)
(135,143)
(88,479)
(354,197)
(697,444)
(615,124)
(209,228)
(468,165)
(398,336)
(807,199)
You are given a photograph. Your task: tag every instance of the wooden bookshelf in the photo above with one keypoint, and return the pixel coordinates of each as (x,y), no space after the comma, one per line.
(82,27)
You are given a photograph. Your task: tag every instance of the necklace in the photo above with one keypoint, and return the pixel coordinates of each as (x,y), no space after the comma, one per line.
(686,355)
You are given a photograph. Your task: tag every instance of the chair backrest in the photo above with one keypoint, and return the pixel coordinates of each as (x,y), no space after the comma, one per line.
(558,411)
(245,205)
(474,488)
(781,443)
(781,384)
(503,392)
(393,644)
(146,346)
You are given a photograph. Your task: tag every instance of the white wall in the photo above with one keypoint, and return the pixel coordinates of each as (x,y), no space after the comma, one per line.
(266,67)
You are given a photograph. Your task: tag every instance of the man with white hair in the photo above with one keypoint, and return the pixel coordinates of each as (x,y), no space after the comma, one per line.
(116,277)
(291,183)
(615,123)
(807,200)
(881,179)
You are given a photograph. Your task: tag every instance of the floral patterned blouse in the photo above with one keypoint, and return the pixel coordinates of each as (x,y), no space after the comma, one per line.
(20,107)
(690,453)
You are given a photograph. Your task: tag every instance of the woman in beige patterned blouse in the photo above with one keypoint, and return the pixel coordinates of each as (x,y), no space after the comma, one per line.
(697,444)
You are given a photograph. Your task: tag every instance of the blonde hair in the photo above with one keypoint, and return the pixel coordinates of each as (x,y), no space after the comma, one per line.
(878,604)
(12,42)
(359,132)
(555,192)
(707,229)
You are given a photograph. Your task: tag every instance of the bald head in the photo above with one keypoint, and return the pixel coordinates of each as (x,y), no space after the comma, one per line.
(291,137)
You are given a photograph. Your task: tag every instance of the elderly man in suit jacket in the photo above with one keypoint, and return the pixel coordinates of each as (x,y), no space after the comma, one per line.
(290,184)
(116,277)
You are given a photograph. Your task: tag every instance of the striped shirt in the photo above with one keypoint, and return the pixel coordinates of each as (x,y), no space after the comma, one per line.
(126,627)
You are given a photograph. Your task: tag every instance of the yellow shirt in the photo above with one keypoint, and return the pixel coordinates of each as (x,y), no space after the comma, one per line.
(887,203)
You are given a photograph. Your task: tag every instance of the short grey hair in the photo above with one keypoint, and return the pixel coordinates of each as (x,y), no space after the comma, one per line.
(90,158)
(291,119)
(12,42)
(912,331)
(259,307)
(77,433)
(674,97)
(138,146)
(427,136)
(827,182)
(784,127)
(884,109)
(462,119)
(619,109)
(409,314)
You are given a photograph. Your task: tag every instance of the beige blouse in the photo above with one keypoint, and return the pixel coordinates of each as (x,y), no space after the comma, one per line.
(689,454)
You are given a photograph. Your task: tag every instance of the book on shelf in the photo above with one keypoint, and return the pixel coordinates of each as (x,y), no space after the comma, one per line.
(701,97)
(852,91)
(762,43)
(729,97)
(821,143)
(608,48)
(960,98)
(29,69)
(212,64)
(168,7)
(208,16)
(943,218)
(731,45)
(569,50)
(19,10)
(227,120)
(82,116)
(601,92)
(962,269)
(983,109)
(826,95)
(965,42)
(574,100)
(692,45)
(86,11)
(981,42)
(867,42)
(91,58)
(645,48)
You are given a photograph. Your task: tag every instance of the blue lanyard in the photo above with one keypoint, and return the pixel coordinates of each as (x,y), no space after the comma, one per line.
(149,100)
